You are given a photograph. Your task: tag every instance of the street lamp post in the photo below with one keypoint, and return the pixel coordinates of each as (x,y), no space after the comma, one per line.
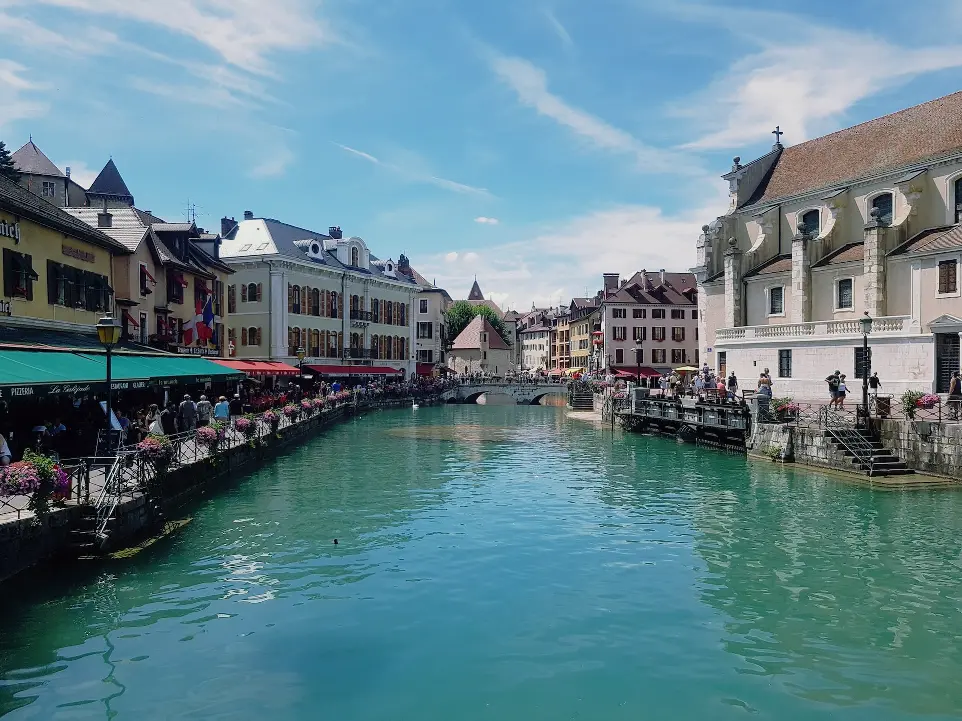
(866,323)
(108,332)
(639,355)
(300,353)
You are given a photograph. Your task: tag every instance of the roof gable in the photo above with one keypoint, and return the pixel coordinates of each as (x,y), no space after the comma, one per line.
(475,293)
(932,240)
(470,337)
(914,135)
(31,160)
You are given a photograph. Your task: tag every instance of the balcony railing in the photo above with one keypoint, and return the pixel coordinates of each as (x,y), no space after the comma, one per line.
(886,325)
(356,353)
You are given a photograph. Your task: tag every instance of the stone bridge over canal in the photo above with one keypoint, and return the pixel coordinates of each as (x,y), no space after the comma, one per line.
(523,393)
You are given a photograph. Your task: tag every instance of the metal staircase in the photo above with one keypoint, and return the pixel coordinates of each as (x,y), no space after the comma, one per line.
(866,454)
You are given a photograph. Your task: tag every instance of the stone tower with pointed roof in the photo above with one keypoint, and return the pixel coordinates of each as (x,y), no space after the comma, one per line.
(110,188)
(44,179)
(475,293)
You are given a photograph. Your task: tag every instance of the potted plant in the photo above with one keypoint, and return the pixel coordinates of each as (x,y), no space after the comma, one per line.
(786,409)
(247,427)
(208,437)
(158,450)
(910,402)
(291,412)
(307,408)
(928,401)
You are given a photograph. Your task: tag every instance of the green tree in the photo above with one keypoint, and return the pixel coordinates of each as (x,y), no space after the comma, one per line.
(495,322)
(458,317)
(463,312)
(8,169)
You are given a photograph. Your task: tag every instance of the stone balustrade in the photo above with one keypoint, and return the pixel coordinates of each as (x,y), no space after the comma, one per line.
(884,326)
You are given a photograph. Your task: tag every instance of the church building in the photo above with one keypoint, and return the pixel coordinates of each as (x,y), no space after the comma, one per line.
(864,221)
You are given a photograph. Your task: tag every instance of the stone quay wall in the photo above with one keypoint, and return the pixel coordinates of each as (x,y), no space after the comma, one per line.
(808,446)
(29,541)
(925,446)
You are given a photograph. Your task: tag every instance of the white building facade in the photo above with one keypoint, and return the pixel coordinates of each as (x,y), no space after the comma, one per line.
(865,220)
(295,288)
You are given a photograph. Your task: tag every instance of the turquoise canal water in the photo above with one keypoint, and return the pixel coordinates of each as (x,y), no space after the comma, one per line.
(504,564)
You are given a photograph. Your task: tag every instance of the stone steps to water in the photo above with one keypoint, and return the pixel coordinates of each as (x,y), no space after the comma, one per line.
(884,462)
(581,402)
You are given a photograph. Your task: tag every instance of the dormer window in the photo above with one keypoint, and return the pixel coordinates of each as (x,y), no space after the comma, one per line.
(810,225)
(355,257)
(885,206)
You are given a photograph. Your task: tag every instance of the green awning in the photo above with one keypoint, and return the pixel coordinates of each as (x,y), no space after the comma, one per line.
(25,373)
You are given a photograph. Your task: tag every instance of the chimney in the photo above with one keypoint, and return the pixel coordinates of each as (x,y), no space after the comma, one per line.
(661,274)
(611,282)
(227,225)
(68,171)
(248,215)
(335,232)
(105,219)
(217,242)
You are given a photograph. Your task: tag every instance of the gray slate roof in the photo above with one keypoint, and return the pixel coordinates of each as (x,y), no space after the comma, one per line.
(109,182)
(932,240)
(127,227)
(31,160)
(22,202)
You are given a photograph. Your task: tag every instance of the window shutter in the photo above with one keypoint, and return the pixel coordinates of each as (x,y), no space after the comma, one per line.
(290,298)
(260,290)
(310,301)
(258,336)
(340,306)
(243,336)
(28,260)
(340,343)
(53,276)
(243,292)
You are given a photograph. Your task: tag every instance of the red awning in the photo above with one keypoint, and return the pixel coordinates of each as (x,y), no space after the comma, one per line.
(333,370)
(146,272)
(425,369)
(179,278)
(130,319)
(259,368)
(646,372)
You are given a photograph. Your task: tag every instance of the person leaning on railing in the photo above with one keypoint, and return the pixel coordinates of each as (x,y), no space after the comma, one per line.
(955,396)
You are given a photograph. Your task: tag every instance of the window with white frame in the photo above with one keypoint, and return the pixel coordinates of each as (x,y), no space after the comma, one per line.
(845,294)
(776,300)
(619,312)
(620,332)
(958,200)
(423,305)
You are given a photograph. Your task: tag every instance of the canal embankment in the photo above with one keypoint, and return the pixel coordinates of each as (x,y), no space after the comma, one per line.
(146,495)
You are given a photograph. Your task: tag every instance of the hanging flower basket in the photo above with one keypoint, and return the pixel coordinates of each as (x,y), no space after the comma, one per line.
(928,401)
(246,427)
(208,437)
(157,449)
(318,403)
(61,484)
(272,420)
(18,479)
(307,407)
(291,412)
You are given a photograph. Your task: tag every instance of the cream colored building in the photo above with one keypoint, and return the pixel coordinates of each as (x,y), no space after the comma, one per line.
(479,349)
(865,220)
(297,288)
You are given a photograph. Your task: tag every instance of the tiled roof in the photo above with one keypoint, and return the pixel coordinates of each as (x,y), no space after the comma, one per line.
(914,135)
(109,182)
(30,159)
(147,218)
(22,202)
(778,264)
(470,337)
(846,254)
(126,227)
(649,289)
(931,240)
(173,227)
(511,316)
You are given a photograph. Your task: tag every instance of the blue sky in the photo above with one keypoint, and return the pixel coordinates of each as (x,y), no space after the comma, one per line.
(534,143)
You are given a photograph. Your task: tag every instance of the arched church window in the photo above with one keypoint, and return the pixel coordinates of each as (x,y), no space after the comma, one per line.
(885,206)
(812,223)
(958,200)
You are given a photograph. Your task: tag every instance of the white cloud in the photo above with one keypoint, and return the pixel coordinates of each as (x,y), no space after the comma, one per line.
(554,264)
(416,177)
(805,83)
(273,164)
(563,35)
(243,32)
(486,221)
(530,84)
(80,172)
(17,103)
